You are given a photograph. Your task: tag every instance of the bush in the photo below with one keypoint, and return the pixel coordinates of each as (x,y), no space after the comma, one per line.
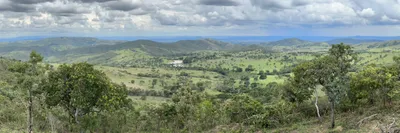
(143,98)
(242,107)
(184,74)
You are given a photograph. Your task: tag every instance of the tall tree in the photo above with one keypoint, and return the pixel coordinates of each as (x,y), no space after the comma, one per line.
(153,83)
(80,90)
(29,80)
(330,71)
(336,67)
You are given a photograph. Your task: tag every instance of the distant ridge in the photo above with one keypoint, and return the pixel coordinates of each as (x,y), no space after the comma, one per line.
(352,41)
(158,48)
(294,42)
(71,46)
(391,44)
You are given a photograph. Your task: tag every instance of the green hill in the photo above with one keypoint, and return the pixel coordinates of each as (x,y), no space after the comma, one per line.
(49,46)
(378,46)
(294,42)
(156,48)
(73,49)
(392,43)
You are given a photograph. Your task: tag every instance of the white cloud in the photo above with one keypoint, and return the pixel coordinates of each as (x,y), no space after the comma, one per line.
(385,18)
(192,16)
(368,12)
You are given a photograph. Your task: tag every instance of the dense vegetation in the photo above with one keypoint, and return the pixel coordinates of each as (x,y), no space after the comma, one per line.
(339,88)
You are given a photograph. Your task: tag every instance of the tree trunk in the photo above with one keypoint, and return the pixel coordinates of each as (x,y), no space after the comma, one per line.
(30,124)
(316,105)
(76,116)
(332,114)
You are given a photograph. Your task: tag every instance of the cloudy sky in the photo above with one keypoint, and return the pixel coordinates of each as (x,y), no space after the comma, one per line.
(200,17)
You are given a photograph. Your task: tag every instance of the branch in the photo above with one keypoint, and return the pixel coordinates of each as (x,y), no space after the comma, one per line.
(362,120)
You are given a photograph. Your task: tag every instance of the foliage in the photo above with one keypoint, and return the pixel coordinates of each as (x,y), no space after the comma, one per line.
(242,107)
(82,91)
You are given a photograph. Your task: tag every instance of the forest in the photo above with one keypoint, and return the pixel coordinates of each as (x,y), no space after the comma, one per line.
(285,86)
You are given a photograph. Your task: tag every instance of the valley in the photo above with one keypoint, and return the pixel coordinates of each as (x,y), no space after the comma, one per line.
(219,70)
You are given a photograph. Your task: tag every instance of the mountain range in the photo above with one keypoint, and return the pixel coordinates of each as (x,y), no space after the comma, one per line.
(294,42)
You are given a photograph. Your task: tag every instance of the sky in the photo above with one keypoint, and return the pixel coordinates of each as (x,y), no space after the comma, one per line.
(199,18)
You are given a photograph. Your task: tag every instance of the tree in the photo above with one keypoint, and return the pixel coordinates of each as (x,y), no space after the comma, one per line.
(246,81)
(267,72)
(201,86)
(330,71)
(30,81)
(249,68)
(255,78)
(81,90)
(238,69)
(275,71)
(265,94)
(336,82)
(373,83)
(242,108)
(228,86)
(185,101)
(263,75)
(261,72)
(305,82)
(153,83)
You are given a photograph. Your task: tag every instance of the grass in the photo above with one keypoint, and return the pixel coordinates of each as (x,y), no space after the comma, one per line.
(270,79)
(148,100)
(126,75)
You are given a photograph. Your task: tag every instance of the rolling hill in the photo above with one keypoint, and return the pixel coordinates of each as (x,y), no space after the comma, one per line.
(49,46)
(294,42)
(386,44)
(70,49)
(156,48)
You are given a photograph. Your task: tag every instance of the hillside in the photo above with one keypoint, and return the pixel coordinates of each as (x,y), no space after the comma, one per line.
(294,42)
(392,44)
(204,44)
(49,46)
(156,48)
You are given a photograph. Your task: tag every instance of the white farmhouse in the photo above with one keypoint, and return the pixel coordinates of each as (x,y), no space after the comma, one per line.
(177,63)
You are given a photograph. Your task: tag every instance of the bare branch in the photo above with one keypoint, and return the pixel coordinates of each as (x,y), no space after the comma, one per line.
(366,118)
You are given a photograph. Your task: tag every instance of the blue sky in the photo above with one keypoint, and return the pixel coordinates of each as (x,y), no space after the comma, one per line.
(199,17)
